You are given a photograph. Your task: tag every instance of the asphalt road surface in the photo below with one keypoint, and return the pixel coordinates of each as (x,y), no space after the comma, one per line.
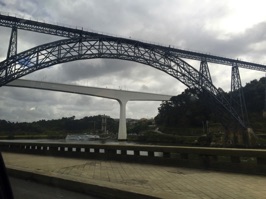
(24,189)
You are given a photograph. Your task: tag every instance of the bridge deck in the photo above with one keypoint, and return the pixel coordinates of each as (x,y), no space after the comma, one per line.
(157,181)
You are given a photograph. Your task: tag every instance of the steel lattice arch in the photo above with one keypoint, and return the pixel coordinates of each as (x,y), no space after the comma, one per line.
(86,48)
(81,45)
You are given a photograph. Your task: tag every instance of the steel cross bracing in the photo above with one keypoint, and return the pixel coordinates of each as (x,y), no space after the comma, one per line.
(205,72)
(12,49)
(237,98)
(87,48)
(9,21)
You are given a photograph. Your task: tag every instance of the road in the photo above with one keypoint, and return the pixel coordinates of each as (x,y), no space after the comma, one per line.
(24,189)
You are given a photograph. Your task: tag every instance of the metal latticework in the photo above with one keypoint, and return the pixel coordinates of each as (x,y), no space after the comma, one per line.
(217,110)
(88,45)
(204,72)
(237,98)
(12,49)
(45,28)
(86,48)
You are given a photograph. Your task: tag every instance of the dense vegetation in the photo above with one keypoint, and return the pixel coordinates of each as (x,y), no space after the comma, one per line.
(189,112)
(59,127)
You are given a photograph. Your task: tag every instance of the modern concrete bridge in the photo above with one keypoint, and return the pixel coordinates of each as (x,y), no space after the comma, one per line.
(120,95)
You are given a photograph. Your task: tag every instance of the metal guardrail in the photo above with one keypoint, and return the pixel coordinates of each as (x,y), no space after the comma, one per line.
(229,159)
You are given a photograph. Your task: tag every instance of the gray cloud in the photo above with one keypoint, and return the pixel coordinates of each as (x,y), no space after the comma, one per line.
(184,24)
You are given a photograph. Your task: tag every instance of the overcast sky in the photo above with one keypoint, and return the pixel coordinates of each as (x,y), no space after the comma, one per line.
(229,28)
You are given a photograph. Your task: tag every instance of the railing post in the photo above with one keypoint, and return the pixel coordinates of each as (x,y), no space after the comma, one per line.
(136,153)
(110,152)
(151,153)
(96,150)
(123,152)
(166,154)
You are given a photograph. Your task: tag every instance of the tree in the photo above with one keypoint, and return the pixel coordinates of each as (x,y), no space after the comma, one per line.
(190,108)
(186,109)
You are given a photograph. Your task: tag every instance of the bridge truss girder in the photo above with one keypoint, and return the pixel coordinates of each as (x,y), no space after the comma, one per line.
(62,31)
(113,48)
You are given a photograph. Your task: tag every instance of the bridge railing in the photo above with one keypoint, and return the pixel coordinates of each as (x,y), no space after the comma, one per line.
(228,159)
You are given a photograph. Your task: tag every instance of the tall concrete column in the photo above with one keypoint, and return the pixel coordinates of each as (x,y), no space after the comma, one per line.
(122,131)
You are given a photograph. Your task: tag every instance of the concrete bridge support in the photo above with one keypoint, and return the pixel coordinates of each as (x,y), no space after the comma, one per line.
(122,131)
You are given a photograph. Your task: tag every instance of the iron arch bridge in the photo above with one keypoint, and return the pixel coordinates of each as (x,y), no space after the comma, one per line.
(87,48)
(81,45)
